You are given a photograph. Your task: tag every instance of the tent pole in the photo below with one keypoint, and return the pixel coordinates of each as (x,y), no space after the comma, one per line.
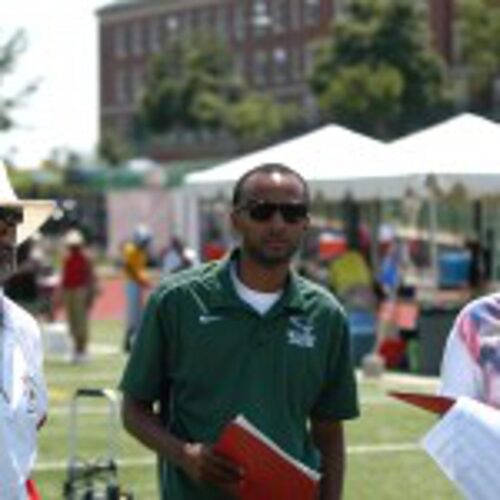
(432,199)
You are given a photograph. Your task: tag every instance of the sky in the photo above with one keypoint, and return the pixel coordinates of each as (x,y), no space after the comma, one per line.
(62,54)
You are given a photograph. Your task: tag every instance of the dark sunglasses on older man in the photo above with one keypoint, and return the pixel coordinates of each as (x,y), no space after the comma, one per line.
(11,215)
(263,211)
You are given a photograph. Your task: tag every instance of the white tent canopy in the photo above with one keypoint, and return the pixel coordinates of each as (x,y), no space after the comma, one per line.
(462,151)
(331,158)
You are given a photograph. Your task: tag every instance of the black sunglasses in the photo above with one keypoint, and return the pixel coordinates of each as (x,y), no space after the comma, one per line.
(11,215)
(263,211)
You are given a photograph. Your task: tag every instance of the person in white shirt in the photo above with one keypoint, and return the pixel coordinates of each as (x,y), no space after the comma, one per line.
(471,360)
(178,256)
(23,396)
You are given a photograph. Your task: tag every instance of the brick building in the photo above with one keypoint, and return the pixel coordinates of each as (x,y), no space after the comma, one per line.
(273,42)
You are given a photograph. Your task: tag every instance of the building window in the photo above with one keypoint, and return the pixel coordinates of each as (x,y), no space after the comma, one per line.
(120,41)
(204,24)
(154,35)
(281,65)
(137,83)
(261,18)
(239,21)
(121,87)
(189,23)
(295,14)
(221,24)
(172,27)
(261,68)
(280,15)
(312,12)
(137,39)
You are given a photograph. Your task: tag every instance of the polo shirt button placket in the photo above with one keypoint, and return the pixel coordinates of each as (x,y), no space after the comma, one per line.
(262,334)
(263,337)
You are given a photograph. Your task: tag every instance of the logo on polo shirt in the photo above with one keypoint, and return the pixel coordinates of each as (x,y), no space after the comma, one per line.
(205,319)
(301,333)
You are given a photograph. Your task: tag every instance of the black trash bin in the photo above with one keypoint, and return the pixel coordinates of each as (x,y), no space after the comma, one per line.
(434,325)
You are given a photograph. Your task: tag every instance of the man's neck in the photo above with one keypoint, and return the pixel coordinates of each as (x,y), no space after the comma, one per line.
(259,277)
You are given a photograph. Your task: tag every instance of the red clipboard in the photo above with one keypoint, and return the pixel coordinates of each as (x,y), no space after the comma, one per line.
(430,402)
(268,471)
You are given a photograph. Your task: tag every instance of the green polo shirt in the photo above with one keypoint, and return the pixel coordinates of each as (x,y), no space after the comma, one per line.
(207,356)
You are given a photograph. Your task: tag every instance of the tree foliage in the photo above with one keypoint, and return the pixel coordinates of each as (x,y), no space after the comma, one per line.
(11,47)
(256,118)
(479,48)
(188,86)
(112,148)
(194,86)
(379,73)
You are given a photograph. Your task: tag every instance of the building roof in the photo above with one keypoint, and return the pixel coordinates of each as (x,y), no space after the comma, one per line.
(129,5)
(119,5)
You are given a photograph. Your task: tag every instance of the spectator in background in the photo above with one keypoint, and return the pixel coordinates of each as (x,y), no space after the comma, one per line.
(178,256)
(215,246)
(23,395)
(137,280)
(78,287)
(22,286)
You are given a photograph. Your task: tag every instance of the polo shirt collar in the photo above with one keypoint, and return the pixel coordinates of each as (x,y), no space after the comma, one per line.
(292,298)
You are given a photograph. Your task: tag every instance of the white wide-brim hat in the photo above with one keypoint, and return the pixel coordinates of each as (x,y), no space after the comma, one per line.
(73,238)
(35,212)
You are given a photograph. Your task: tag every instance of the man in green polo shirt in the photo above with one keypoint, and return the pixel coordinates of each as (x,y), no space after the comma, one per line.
(245,335)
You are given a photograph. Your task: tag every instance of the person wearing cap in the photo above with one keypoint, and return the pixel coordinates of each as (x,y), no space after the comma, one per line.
(23,395)
(248,336)
(78,286)
(137,280)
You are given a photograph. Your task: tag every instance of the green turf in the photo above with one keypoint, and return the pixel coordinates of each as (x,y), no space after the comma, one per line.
(377,468)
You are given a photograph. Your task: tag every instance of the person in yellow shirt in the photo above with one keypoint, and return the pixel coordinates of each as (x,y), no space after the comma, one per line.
(137,279)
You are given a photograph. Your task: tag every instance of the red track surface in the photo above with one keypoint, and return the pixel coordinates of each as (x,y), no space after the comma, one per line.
(110,303)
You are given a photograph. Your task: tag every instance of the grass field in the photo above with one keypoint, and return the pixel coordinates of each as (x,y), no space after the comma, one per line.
(384,460)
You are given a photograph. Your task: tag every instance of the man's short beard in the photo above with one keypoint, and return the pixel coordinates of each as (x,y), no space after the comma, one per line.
(269,261)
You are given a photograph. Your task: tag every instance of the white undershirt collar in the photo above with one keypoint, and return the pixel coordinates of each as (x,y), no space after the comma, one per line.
(260,301)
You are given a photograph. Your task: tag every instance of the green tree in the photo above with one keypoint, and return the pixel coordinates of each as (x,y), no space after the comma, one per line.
(479,46)
(189,86)
(113,149)
(379,73)
(11,47)
(256,118)
(194,86)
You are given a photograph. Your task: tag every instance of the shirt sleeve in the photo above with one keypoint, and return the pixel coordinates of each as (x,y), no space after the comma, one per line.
(338,399)
(460,374)
(146,372)
(41,386)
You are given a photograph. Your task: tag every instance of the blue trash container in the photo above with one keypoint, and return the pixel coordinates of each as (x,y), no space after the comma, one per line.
(454,268)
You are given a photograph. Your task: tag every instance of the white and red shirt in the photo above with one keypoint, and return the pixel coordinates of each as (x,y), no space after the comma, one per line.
(471,360)
(23,397)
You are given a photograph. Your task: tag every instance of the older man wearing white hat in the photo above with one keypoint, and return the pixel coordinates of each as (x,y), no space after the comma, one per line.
(23,398)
